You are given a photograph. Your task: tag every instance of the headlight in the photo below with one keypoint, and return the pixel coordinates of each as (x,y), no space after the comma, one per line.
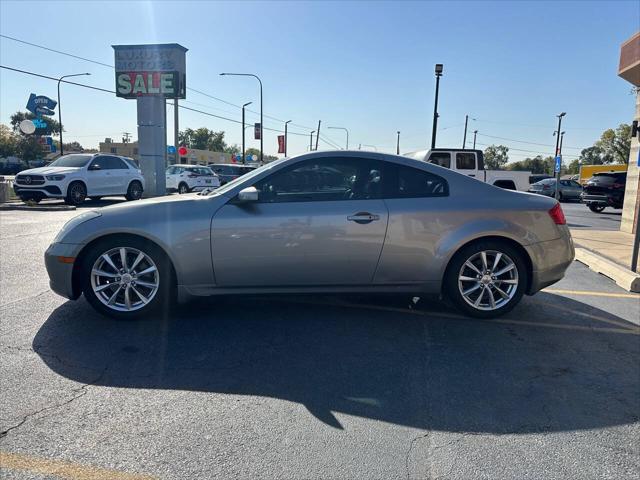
(55,178)
(74,222)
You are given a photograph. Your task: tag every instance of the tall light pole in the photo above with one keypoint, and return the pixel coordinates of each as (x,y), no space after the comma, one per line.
(261,122)
(557,134)
(285,137)
(439,68)
(475,133)
(398,144)
(464,139)
(342,128)
(244,157)
(561,138)
(311,141)
(60,106)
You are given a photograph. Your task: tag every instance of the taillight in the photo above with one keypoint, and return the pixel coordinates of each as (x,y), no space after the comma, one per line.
(557,215)
(546,187)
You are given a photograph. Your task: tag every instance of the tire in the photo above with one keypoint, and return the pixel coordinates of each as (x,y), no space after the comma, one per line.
(147,293)
(96,199)
(76,193)
(134,192)
(183,188)
(560,197)
(512,282)
(596,208)
(30,198)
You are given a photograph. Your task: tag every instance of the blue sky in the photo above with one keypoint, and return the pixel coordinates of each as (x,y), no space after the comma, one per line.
(367,66)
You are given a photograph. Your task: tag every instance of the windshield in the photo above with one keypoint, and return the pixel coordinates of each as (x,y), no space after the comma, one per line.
(228,186)
(74,160)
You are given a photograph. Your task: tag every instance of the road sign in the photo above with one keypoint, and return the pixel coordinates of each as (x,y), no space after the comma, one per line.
(171,149)
(182,151)
(39,124)
(558,165)
(40,101)
(44,111)
(27,127)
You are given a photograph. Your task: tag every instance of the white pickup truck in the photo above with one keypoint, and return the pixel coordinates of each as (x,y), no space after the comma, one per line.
(471,162)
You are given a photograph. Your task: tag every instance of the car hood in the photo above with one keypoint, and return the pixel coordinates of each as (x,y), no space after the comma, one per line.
(50,171)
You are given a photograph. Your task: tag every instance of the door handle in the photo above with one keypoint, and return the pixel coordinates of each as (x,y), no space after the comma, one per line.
(363,217)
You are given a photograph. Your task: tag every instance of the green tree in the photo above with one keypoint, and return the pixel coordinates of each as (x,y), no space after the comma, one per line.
(537,164)
(232,149)
(616,144)
(28,148)
(496,157)
(203,139)
(8,142)
(593,156)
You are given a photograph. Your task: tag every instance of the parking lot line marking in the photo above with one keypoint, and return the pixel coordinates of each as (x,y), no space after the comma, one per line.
(63,469)
(593,293)
(582,328)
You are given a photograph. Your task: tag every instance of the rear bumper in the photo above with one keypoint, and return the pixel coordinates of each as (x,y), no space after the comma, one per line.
(550,261)
(604,200)
(61,274)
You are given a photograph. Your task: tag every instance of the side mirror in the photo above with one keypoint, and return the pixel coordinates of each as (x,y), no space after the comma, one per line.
(249,194)
(94,166)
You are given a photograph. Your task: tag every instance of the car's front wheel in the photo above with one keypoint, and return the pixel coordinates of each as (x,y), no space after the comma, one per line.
(76,193)
(596,208)
(183,188)
(134,192)
(127,278)
(486,279)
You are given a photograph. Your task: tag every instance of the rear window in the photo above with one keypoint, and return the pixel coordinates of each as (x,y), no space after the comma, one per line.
(408,182)
(466,161)
(441,158)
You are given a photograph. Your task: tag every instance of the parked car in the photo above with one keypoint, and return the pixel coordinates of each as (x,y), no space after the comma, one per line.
(538,177)
(190,178)
(227,172)
(320,222)
(588,171)
(12,168)
(605,189)
(568,189)
(471,163)
(75,177)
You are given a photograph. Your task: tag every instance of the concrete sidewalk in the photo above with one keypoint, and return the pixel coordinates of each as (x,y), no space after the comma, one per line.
(608,252)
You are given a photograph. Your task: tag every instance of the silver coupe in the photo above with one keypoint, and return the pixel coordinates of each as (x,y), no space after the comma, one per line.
(321,222)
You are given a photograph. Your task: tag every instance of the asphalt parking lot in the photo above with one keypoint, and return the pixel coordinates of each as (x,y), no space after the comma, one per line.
(579,217)
(313,386)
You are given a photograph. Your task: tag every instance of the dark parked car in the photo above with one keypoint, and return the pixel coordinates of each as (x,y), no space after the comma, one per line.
(227,172)
(605,189)
(568,189)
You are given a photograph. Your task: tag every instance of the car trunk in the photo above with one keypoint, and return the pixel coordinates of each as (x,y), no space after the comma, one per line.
(600,184)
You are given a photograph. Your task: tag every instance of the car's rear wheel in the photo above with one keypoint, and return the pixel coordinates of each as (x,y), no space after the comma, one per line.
(183,188)
(486,279)
(134,192)
(127,278)
(596,208)
(76,193)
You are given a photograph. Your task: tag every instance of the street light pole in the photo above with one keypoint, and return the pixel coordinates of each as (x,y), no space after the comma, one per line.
(261,119)
(311,141)
(557,194)
(439,68)
(561,138)
(342,128)
(60,106)
(285,137)
(464,139)
(398,144)
(475,132)
(244,157)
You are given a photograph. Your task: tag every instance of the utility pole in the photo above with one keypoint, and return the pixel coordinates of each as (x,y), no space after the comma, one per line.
(244,157)
(318,134)
(439,68)
(126,137)
(347,132)
(557,194)
(464,139)
(475,132)
(285,137)
(60,106)
(311,141)
(398,144)
(561,138)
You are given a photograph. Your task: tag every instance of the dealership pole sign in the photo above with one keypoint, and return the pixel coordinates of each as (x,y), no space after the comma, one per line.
(143,70)
(151,74)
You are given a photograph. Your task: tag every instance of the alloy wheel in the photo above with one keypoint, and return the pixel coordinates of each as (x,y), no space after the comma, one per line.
(488,280)
(125,279)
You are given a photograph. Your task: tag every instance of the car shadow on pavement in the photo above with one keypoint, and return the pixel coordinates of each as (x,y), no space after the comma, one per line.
(425,369)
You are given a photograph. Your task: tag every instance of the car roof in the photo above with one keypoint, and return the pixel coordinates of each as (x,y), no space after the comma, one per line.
(188,165)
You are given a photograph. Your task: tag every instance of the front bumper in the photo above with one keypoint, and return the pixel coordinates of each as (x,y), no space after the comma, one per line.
(49,191)
(550,261)
(61,273)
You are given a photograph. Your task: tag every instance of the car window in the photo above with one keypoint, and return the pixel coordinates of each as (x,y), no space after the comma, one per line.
(441,158)
(115,163)
(408,182)
(222,170)
(101,162)
(575,184)
(328,179)
(564,183)
(171,170)
(465,161)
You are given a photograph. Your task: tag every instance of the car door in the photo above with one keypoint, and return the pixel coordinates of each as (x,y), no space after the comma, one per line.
(317,222)
(98,176)
(119,177)
(170,178)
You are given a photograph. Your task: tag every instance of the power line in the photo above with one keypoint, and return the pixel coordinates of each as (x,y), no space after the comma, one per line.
(530,143)
(528,151)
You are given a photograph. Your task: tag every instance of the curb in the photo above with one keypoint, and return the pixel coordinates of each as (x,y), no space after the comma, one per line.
(37,208)
(623,277)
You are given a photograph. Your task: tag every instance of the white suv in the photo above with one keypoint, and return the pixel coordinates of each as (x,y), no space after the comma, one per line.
(190,178)
(78,176)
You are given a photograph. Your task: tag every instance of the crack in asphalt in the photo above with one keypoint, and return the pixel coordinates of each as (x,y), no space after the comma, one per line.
(24,298)
(79,392)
